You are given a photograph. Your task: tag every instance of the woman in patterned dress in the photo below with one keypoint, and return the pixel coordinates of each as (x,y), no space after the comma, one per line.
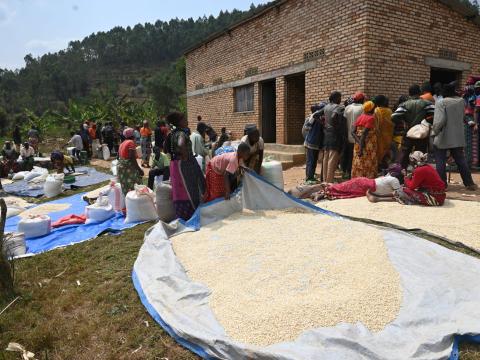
(365,160)
(129,173)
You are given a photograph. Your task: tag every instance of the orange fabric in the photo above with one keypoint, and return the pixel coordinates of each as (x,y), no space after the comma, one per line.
(124,149)
(366,121)
(92,133)
(385,126)
(428,97)
(145,132)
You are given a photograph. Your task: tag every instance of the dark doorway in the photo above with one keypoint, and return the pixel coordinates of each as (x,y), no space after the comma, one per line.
(269,113)
(444,76)
(295,108)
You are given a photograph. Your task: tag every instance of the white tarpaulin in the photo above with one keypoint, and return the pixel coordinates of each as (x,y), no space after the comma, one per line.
(441,295)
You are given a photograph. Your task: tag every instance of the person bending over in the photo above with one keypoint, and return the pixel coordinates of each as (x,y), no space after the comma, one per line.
(222,170)
(61,162)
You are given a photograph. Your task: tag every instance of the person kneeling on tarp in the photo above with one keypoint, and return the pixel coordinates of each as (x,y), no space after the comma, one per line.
(424,186)
(60,162)
(221,170)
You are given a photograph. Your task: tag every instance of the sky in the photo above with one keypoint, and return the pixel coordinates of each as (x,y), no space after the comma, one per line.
(40,26)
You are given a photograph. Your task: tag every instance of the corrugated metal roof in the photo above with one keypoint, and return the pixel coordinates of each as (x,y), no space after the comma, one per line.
(455,5)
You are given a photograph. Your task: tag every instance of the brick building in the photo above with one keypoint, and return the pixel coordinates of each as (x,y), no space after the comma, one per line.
(271,67)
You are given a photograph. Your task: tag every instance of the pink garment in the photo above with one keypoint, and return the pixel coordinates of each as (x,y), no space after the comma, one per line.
(179,193)
(227,162)
(70,220)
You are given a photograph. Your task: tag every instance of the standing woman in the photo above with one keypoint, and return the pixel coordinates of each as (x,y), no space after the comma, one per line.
(365,160)
(129,173)
(384,126)
(146,143)
(186,177)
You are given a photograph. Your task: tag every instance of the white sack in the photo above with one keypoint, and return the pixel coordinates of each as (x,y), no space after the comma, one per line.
(164,202)
(140,205)
(53,185)
(35,226)
(14,245)
(100,211)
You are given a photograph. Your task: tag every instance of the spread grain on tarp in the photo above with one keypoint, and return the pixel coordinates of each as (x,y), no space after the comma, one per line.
(456,220)
(275,274)
(44,209)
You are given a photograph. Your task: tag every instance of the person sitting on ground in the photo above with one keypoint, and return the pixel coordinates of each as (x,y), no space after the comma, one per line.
(257,146)
(10,157)
(448,132)
(77,142)
(27,153)
(61,162)
(381,187)
(365,160)
(160,167)
(222,170)
(128,171)
(313,133)
(424,186)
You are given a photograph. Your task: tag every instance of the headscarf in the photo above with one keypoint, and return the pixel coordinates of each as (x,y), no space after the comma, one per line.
(368,107)
(395,169)
(418,158)
(128,133)
(358,96)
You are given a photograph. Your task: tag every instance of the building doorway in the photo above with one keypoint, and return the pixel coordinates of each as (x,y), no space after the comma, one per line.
(269,111)
(444,76)
(295,108)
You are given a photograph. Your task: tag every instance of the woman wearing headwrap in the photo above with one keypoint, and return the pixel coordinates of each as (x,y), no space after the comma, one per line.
(186,177)
(254,140)
(375,189)
(424,186)
(128,171)
(365,160)
(384,127)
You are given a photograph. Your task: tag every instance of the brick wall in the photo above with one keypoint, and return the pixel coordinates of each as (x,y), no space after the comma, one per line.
(217,109)
(276,40)
(400,35)
(373,46)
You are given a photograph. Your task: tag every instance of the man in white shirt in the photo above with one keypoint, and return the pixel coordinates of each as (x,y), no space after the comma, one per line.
(351,114)
(77,142)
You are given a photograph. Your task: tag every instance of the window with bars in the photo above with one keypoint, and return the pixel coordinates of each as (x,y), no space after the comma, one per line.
(244,98)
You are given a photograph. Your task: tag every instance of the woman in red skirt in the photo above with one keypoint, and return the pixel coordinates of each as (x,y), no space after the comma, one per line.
(221,169)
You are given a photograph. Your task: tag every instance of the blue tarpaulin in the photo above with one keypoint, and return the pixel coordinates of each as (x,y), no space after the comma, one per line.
(91,177)
(70,234)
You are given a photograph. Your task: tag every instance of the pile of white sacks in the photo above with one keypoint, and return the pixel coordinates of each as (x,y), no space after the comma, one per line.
(39,177)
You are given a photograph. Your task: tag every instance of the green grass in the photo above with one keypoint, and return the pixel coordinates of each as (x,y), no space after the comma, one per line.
(102,318)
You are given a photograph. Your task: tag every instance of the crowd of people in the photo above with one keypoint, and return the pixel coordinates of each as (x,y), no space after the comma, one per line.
(366,138)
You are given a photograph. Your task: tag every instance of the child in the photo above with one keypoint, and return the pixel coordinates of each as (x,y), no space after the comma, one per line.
(61,161)
(221,170)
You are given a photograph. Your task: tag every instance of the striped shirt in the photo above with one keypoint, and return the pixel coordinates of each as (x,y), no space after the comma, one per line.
(413,111)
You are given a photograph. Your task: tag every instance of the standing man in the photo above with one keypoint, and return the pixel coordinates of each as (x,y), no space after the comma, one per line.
(412,112)
(334,134)
(352,112)
(449,135)
(313,133)
(198,142)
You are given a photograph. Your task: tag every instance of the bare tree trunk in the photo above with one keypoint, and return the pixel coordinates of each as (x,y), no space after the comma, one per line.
(6,270)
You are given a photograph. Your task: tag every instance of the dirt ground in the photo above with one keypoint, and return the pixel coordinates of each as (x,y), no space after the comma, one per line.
(295,176)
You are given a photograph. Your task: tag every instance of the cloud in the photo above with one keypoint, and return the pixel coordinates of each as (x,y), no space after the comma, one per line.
(39,47)
(6,14)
